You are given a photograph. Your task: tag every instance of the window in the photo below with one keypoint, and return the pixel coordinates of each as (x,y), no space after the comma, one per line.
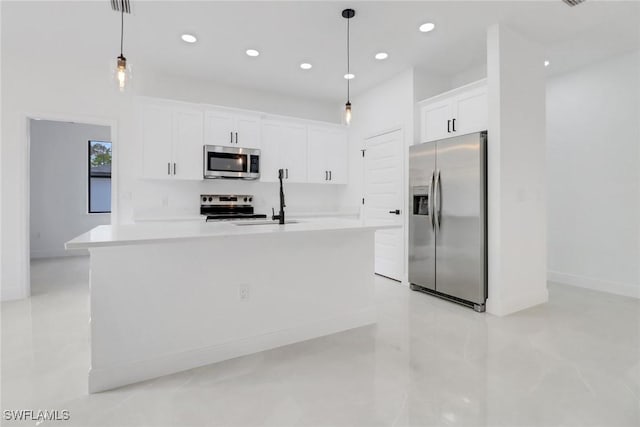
(99,177)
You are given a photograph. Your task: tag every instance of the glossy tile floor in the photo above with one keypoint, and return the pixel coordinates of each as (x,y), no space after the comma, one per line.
(572,362)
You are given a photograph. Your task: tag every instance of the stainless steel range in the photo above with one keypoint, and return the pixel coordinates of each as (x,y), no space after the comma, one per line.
(219,207)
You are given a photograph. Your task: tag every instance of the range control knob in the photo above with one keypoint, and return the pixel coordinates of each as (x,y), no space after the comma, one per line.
(245,199)
(210,199)
(251,199)
(204,199)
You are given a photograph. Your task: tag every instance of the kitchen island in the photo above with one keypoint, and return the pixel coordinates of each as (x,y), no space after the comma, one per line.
(166,297)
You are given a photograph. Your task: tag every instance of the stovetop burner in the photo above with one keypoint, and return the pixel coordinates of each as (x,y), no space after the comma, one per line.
(226,207)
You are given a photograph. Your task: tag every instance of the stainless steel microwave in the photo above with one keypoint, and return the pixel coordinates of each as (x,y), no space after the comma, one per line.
(231,162)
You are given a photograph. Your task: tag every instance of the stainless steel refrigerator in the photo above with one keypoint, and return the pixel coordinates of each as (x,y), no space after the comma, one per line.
(448,219)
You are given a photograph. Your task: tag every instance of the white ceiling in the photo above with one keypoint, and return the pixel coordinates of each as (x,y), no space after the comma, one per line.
(288,33)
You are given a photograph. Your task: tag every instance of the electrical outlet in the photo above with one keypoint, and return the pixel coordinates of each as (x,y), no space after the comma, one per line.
(244,292)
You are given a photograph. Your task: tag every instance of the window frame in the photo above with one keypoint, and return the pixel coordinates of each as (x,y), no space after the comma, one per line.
(89,176)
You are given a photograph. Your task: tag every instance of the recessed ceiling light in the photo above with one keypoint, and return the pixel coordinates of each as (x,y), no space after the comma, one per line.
(382,55)
(427,26)
(306,66)
(546,63)
(189,38)
(252,52)
(349,76)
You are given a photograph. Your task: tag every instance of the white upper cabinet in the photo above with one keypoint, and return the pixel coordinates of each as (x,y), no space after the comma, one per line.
(327,155)
(171,141)
(284,146)
(231,128)
(156,131)
(457,112)
(173,134)
(434,121)
(471,111)
(187,144)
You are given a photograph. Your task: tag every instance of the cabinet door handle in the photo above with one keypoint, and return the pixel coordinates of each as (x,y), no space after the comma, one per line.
(286,173)
(449,126)
(169,168)
(230,137)
(453,123)
(326,175)
(330,176)
(174,168)
(236,137)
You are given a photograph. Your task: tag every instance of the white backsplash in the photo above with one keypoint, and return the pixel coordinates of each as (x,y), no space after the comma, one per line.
(181,199)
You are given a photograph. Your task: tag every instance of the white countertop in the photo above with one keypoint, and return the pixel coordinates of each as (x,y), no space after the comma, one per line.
(171,231)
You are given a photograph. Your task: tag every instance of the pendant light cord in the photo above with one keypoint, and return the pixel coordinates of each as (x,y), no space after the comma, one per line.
(121,27)
(348,57)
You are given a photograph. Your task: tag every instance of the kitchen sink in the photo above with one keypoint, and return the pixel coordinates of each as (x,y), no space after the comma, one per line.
(262,223)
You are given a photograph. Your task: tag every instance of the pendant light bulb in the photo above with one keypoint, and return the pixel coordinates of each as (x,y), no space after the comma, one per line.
(347,113)
(122,73)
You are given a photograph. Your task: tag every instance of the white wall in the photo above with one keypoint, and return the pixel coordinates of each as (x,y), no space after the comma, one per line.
(593,131)
(35,85)
(473,74)
(385,107)
(58,205)
(516,157)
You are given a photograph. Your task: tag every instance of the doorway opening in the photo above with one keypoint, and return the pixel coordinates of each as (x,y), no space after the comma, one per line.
(70,177)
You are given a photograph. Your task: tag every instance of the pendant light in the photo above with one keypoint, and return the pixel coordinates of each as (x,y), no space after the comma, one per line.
(348,14)
(122,72)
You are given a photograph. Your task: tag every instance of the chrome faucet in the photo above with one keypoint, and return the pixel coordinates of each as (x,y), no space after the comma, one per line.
(280,216)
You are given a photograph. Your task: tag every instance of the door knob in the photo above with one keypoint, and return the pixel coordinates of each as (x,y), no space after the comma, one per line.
(397,212)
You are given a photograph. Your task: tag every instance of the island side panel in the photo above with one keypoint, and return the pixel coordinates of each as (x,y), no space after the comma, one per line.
(161,308)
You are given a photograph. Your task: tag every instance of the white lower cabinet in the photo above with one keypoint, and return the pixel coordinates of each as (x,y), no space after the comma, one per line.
(171,141)
(284,146)
(327,155)
(457,112)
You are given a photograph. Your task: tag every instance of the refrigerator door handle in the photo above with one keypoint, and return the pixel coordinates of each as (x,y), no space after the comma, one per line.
(431,204)
(437,200)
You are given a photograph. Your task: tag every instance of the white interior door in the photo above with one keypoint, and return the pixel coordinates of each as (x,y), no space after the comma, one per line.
(384,171)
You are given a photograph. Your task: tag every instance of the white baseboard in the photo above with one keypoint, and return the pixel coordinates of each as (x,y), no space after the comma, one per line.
(106,378)
(57,253)
(12,293)
(618,288)
(512,304)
